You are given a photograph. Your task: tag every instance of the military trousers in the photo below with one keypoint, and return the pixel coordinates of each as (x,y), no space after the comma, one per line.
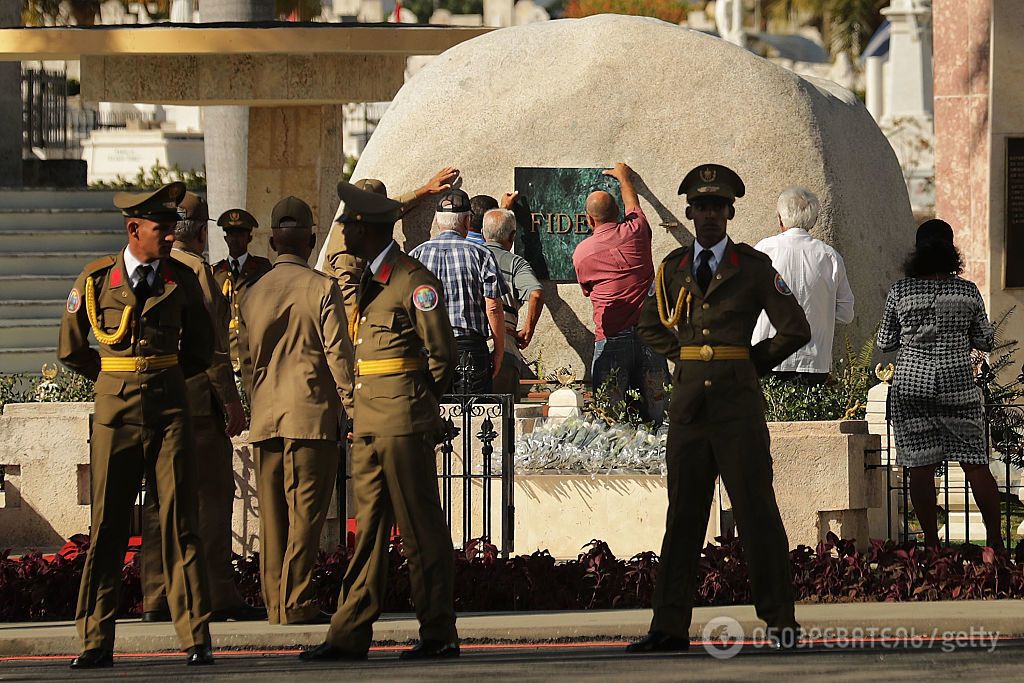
(121,456)
(211,468)
(739,451)
(294,483)
(394,478)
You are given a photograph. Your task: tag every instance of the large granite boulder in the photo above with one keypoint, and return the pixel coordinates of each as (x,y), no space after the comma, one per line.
(590,92)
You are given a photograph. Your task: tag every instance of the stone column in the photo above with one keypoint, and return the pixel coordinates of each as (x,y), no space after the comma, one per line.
(226,128)
(907,119)
(962,129)
(10,105)
(294,151)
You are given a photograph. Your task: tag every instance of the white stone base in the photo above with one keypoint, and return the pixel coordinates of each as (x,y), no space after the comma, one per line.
(958,527)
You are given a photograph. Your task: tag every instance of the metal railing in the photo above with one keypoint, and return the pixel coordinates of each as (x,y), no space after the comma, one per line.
(45,109)
(470,473)
(1004,435)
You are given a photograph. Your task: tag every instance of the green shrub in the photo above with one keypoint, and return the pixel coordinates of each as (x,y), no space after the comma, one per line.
(843,396)
(157,176)
(24,388)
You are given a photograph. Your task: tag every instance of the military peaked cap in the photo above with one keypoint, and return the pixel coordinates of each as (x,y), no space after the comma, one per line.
(193,208)
(237,219)
(159,205)
(291,212)
(367,206)
(712,180)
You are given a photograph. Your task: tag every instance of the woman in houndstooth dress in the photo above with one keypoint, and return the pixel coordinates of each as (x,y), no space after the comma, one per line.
(935,318)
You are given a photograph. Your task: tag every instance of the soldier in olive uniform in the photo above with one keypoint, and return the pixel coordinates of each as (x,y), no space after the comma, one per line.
(302,371)
(235,275)
(213,398)
(146,311)
(700,313)
(347,268)
(404,345)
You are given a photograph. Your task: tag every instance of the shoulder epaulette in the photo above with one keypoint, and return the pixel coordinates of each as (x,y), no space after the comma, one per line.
(675,253)
(100,264)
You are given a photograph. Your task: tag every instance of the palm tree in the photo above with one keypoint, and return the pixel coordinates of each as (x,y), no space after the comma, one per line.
(845,25)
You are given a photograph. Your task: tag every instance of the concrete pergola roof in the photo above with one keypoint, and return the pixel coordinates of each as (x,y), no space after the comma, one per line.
(230,38)
(260,63)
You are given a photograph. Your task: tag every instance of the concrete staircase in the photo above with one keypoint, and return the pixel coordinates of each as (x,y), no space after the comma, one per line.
(46,237)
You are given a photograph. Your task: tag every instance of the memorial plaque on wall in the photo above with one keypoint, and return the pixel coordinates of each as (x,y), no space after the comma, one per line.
(552,218)
(1014,212)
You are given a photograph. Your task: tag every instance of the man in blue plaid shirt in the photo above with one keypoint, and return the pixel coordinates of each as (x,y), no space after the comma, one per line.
(473,287)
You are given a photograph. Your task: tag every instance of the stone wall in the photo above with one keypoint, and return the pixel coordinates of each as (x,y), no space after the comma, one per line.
(820,480)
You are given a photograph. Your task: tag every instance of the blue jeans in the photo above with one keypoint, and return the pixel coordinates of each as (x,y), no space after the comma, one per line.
(638,367)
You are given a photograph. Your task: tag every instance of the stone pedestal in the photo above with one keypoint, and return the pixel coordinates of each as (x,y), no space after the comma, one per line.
(563,403)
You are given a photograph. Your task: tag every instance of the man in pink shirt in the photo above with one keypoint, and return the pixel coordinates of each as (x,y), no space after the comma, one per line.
(614,269)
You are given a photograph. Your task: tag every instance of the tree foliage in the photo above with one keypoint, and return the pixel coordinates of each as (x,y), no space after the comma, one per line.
(673,11)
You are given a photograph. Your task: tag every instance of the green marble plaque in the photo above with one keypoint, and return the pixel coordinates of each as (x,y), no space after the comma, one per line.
(551,216)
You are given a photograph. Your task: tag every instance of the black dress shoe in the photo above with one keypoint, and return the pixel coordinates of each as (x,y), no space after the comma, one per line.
(242,613)
(325,652)
(156,615)
(321,618)
(199,655)
(96,658)
(431,649)
(658,641)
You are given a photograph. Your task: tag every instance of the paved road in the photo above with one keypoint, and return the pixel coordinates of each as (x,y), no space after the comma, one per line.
(602,662)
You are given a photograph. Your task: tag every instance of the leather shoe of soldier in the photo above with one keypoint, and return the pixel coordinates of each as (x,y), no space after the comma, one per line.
(431,649)
(657,641)
(325,652)
(156,615)
(199,655)
(241,613)
(96,658)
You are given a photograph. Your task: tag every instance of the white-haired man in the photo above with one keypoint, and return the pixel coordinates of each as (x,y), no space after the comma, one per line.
(473,288)
(499,231)
(817,275)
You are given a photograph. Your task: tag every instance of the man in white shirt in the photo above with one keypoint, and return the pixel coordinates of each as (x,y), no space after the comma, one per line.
(817,275)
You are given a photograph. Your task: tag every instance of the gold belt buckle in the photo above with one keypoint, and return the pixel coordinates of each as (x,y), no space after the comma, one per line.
(141,364)
(706,353)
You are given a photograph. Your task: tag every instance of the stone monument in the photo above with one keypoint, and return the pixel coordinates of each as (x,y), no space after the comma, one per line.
(663,99)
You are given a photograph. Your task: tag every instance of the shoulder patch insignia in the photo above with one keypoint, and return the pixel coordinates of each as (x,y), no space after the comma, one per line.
(781,286)
(424,298)
(74,301)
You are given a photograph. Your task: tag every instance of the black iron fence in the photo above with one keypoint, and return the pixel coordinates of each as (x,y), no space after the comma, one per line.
(1004,441)
(476,482)
(45,109)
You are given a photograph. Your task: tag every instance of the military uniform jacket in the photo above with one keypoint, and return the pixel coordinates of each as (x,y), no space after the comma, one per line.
(208,391)
(172,321)
(402,315)
(300,351)
(744,285)
(255,267)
